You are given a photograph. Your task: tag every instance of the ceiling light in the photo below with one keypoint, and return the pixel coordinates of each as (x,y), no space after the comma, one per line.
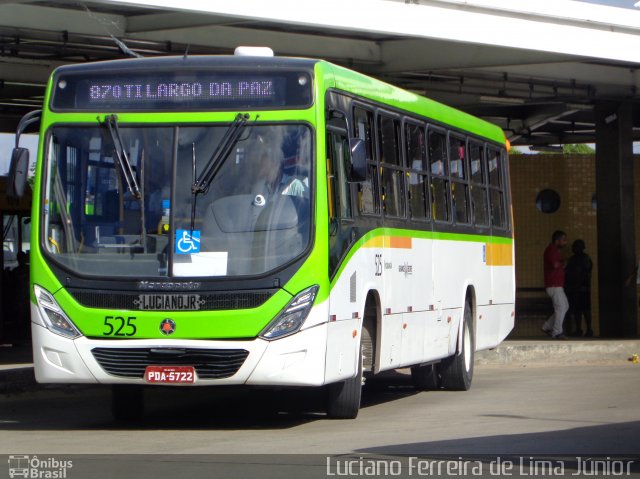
(503,100)
(547,148)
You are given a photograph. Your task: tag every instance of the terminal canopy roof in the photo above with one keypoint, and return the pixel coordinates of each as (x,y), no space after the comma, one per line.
(535,68)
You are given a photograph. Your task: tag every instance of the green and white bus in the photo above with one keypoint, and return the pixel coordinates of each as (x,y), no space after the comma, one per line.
(267,221)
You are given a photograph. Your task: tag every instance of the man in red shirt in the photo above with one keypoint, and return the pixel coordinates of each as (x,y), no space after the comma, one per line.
(554,284)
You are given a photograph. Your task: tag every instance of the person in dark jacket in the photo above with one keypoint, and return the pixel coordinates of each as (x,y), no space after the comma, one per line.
(577,285)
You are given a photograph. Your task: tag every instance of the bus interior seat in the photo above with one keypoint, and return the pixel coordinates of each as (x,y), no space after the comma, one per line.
(228,227)
(279,233)
(256,238)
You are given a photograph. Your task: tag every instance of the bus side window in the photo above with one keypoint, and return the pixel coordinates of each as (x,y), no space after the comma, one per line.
(368,191)
(496,191)
(439,179)
(478,185)
(417,175)
(391,167)
(459,187)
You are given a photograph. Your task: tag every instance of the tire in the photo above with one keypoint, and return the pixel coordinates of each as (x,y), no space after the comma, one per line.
(456,372)
(425,378)
(368,349)
(127,402)
(343,398)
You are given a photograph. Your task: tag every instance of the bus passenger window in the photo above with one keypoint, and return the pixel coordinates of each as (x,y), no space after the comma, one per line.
(496,195)
(459,187)
(417,157)
(457,156)
(391,172)
(439,181)
(459,200)
(494,167)
(393,192)
(477,163)
(368,191)
(497,208)
(478,189)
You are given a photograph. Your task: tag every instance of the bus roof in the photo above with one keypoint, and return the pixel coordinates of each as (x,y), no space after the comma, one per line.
(343,79)
(188,62)
(376,90)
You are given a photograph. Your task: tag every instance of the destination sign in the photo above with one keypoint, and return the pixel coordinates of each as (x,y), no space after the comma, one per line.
(185,91)
(198,90)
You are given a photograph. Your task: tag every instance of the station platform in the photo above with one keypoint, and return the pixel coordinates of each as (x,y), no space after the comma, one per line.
(554,351)
(16,366)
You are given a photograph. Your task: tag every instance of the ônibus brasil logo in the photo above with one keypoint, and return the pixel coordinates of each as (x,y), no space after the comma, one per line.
(41,468)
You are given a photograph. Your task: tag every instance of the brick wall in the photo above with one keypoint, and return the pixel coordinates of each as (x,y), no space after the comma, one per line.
(573,178)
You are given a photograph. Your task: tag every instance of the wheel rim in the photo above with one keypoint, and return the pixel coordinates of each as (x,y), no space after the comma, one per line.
(466,342)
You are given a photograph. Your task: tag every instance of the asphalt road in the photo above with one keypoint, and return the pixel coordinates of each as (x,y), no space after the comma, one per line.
(574,410)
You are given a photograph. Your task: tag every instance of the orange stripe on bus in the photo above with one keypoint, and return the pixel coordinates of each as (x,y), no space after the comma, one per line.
(499,255)
(400,242)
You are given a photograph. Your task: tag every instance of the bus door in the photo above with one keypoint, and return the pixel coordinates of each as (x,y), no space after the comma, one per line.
(340,213)
(341,354)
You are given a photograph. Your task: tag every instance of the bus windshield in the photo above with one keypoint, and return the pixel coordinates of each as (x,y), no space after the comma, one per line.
(253,216)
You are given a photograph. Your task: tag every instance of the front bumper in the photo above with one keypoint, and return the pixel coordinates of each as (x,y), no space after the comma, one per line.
(296,360)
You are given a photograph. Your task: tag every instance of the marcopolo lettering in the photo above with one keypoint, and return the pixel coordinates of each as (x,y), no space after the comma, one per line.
(169,286)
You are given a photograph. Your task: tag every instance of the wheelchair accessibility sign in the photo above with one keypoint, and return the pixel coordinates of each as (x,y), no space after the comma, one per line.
(187,241)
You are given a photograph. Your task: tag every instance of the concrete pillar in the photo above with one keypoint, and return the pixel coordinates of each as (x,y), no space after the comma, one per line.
(2,318)
(616,229)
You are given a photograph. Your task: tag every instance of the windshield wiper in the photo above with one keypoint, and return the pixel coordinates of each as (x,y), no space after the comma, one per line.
(127,171)
(228,141)
(121,155)
(230,138)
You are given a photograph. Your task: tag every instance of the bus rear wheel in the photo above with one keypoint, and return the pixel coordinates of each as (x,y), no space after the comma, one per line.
(425,378)
(456,372)
(343,398)
(127,402)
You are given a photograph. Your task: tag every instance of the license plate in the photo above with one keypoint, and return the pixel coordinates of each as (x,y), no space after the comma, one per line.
(170,374)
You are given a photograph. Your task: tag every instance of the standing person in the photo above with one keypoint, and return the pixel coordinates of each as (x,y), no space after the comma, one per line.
(577,286)
(554,284)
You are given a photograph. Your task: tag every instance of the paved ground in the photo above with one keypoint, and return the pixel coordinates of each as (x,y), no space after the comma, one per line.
(531,401)
(575,410)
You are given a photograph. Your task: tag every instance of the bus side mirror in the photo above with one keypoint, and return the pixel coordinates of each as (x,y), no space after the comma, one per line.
(19,168)
(18,173)
(359,161)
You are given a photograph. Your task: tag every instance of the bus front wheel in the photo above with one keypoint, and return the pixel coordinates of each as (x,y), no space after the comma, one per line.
(456,372)
(343,398)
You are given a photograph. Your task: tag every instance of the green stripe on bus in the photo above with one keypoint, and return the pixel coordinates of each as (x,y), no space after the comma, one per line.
(426,235)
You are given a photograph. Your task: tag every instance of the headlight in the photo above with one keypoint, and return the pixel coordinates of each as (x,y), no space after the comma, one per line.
(292,317)
(52,314)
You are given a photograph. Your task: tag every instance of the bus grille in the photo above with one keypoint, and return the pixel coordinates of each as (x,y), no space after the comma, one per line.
(208,363)
(211,301)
